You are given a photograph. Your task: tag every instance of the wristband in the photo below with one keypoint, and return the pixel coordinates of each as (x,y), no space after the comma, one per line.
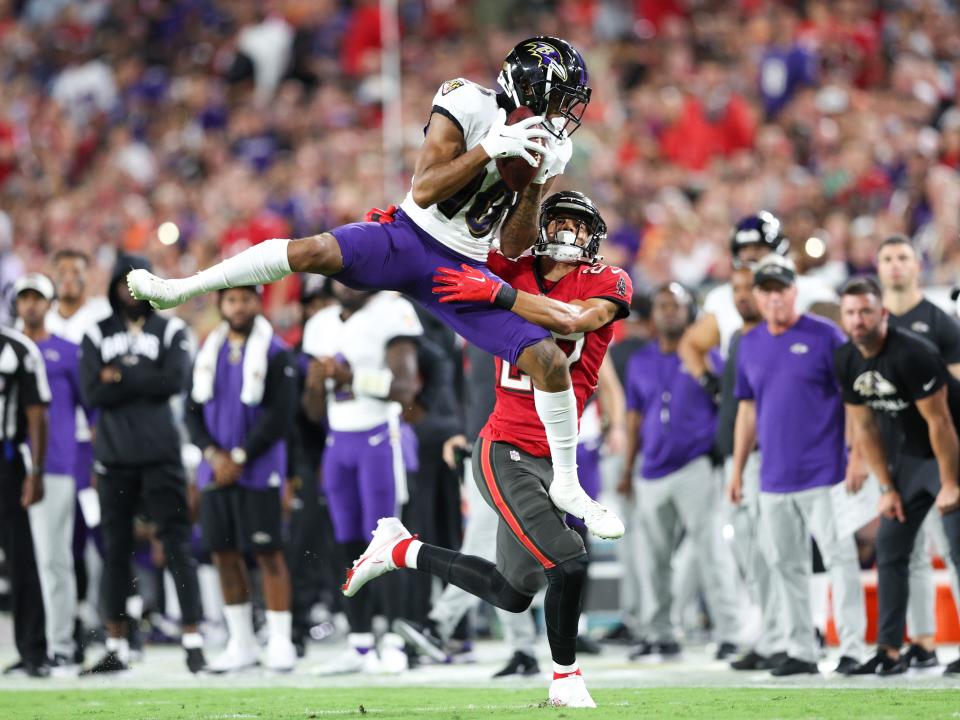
(884,489)
(506,297)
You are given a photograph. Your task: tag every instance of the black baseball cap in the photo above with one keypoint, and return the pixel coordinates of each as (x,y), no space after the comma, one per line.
(775,268)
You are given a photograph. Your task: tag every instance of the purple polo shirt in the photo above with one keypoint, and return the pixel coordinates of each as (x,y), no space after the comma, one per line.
(62,360)
(679,419)
(229,421)
(800,421)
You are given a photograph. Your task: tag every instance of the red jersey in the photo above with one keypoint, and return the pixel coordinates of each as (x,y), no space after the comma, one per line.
(514,419)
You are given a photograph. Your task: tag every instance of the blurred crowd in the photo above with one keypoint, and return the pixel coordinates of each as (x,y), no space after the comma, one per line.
(187,130)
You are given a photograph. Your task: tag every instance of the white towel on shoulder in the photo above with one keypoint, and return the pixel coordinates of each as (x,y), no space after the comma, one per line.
(254,363)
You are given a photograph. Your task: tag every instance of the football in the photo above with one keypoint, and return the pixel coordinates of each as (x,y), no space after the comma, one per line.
(516,172)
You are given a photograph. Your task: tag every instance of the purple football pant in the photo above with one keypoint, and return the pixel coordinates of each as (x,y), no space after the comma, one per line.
(358,481)
(401,256)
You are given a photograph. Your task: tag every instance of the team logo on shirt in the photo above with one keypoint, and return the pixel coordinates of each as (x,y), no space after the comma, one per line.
(920,327)
(873,384)
(548,56)
(799,349)
(515,456)
(621,287)
(51,355)
(450,85)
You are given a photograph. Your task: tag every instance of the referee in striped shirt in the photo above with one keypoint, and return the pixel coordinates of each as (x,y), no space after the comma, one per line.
(24,395)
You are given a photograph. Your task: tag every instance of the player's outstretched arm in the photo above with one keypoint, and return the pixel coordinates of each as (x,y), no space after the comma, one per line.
(469,284)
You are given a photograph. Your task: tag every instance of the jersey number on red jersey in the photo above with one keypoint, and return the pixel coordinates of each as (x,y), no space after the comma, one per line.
(512,379)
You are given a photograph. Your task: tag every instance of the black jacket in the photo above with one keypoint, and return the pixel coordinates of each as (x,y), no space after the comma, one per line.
(135,425)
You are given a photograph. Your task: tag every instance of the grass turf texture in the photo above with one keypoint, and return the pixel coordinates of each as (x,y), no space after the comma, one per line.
(496,703)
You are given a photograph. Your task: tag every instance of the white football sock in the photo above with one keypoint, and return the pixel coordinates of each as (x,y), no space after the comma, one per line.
(279,624)
(261,264)
(240,623)
(121,647)
(558,413)
(566,669)
(410,557)
(191,641)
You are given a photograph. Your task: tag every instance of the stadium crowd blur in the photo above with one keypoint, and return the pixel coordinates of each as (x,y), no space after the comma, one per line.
(248,120)
(189,130)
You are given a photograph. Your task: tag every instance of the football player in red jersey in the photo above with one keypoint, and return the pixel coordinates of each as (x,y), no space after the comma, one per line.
(564,288)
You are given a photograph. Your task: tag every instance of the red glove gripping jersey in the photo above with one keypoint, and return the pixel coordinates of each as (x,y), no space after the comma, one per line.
(514,419)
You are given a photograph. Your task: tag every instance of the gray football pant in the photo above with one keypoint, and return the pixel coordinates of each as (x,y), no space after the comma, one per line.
(745,519)
(787,520)
(480,539)
(921,607)
(688,500)
(51,524)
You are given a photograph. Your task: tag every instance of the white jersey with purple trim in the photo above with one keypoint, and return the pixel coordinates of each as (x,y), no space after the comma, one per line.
(468,221)
(361,341)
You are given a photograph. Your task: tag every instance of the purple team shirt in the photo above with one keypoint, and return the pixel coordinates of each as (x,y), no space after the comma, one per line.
(229,421)
(679,419)
(62,360)
(800,421)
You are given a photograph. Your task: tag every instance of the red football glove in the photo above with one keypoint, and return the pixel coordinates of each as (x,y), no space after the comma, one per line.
(467,284)
(381,216)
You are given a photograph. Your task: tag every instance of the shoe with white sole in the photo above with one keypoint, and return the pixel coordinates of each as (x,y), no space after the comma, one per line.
(570,498)
(161,294)
(570,691)
(377,559)
(393,659)
(352,660)
(280,655)
(235,657)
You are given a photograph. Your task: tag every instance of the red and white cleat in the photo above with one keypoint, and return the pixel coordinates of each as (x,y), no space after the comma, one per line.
(570,691)
(377,559)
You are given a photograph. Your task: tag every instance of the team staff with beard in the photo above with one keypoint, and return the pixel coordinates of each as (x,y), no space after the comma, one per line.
(884,370)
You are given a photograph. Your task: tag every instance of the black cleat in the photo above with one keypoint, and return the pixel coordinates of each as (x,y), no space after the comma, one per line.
(586,645)
(656,651)
(196,662)
(953,668)
(520,664)
(751,661)
(917,656)
(109,663)
(792,666)
(883,665)
(424,638)
(726,650)
(620,634)
(27,668)
(847,665)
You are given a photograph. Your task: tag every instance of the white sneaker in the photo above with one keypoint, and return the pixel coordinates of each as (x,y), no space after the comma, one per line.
(348,662)
(377,559)
(570,691)
(280,655)
(393,660)
(234,657)
(570,498)
(160,293)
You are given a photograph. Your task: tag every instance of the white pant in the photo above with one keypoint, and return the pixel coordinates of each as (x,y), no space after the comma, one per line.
(921,608)
(787,520)
(480,539)
(51,524)
(745,519)
(689,500)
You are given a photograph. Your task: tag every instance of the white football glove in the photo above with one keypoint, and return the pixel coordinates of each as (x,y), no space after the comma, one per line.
(516,140)
(561,149)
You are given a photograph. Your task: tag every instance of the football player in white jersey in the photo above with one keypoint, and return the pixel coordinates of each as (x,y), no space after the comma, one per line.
(364,369)
(456,205)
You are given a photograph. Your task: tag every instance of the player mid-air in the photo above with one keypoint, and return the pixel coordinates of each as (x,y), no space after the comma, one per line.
(457,203)
(565,289)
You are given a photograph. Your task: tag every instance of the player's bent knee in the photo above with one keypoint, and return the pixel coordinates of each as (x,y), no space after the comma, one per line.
(546,364)
(569,573)
(315,254)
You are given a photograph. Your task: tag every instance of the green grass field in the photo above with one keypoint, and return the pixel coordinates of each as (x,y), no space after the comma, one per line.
(496,704)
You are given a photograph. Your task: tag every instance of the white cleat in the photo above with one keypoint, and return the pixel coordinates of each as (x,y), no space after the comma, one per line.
(393,659)
(160,293)
(570,498)
(234,658)
(350,661)
(280,655)
(377,559)
(570,691)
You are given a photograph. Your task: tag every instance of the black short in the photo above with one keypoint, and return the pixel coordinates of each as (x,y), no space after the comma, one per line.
(238,518)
